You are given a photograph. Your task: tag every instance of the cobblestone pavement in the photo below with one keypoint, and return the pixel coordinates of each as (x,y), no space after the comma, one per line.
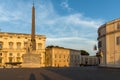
(81,73)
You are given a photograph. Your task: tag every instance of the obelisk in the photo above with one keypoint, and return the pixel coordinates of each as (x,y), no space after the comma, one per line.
(31,58)
(33,41)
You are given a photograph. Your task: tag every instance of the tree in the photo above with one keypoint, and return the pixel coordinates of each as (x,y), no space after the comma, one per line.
(98,54)
(50,46)
(83,52)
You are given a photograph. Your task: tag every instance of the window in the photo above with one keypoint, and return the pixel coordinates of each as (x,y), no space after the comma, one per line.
(18,59)
(10,59)
(10,54)
(55,56)
(18,54)
(0,54)
(77,56)
(0,59)
(39,46)
(11,45)
(18,45)
(59,56)
(118,40)
(72,56)
(18,37)
(25,44)
(0,36)
(118,26)
(25,37)
(59,60)
(1,44)
(64,56)
(10,36)
(100,44)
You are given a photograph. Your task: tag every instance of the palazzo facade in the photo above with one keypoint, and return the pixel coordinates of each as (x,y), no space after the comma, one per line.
(14,45)
(62,57)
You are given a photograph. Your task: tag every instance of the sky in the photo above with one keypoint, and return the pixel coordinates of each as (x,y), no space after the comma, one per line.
(66,23)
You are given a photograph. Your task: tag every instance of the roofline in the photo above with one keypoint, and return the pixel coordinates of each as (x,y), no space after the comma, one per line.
(20,33)
(109,22)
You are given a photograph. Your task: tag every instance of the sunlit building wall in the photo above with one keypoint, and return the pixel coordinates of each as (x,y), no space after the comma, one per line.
(57,57)
(13,46)
(62,57)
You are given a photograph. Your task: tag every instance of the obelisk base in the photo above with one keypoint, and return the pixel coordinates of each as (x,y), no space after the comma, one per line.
(31,61)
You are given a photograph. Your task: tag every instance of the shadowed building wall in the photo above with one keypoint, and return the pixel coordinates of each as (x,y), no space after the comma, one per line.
(109,43)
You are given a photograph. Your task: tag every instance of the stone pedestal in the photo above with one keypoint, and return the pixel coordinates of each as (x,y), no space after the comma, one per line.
(31,60)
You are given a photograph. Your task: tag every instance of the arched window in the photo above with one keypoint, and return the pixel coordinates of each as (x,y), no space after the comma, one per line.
(11,45)
(18,45)
(39,46)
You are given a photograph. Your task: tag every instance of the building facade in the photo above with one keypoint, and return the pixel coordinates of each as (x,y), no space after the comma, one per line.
(14,45)
(89,60)
(62,57)
(57,57)
(75,58)
(109,43)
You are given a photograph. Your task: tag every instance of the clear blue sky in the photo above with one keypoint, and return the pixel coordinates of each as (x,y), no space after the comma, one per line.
(67,23)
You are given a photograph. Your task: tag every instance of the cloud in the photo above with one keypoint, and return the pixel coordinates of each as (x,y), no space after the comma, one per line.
(65,5)
(73,30)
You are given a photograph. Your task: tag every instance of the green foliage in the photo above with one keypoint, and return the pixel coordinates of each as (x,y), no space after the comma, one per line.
(98,55)
(83,52)
(52,46)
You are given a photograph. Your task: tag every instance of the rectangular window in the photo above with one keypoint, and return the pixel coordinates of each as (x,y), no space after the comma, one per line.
(118,26)
(10,54)
(18,59)
(18,37)
(11,45)
(0,54)
(25,37)
(10,36)
(59,56)
(39,46)
(118,40)
(10,59)
(55,56)
(18,45)
(1,45)
(0,59)
(100,44)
